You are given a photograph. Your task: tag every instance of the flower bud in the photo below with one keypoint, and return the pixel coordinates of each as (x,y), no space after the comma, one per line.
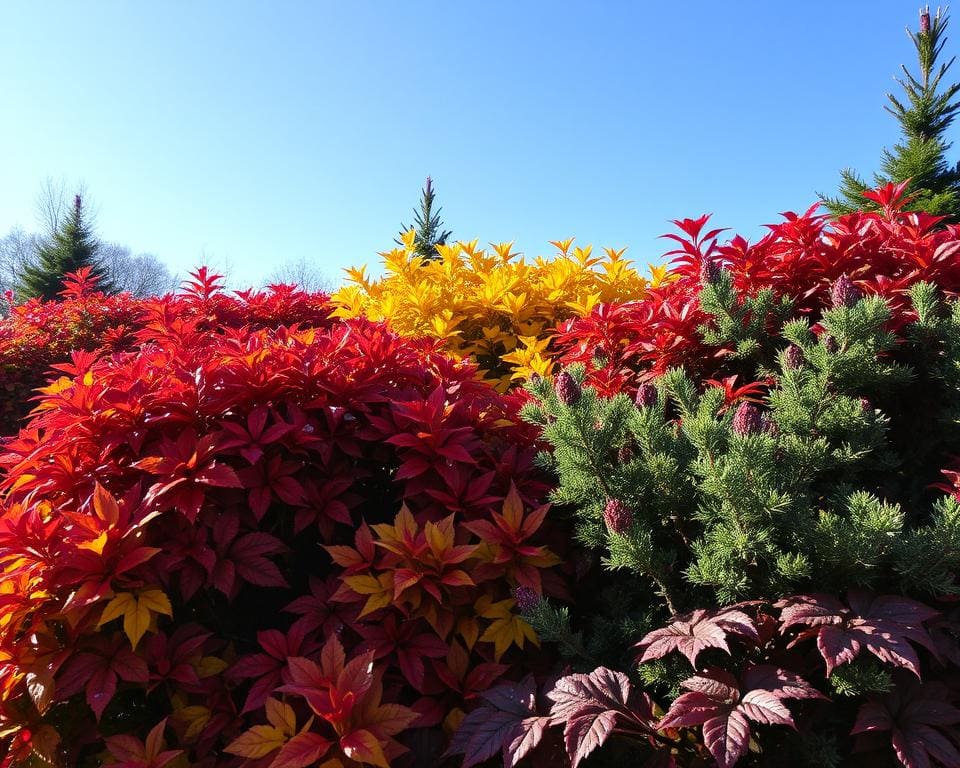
(865,405)
(746,420)
(793,357)
(617,516)
(830,344)
(567,388)
(526,599)
(646,396)
(625,455)
(925,20)
(844,293)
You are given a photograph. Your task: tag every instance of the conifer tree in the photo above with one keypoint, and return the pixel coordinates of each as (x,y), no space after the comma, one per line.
(71,247)
(429,228)
(924,117)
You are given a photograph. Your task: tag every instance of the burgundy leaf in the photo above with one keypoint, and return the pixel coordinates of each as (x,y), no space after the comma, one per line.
(507,723)
(692,633)
(885,625)
(725,708)
(590,706)
(919,717)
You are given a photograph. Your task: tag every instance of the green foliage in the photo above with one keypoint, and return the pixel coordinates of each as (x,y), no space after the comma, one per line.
(429,228)
(924,117)
(72,247)
(822,485)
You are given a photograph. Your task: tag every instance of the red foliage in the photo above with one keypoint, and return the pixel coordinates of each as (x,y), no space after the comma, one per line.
(883,253)
(241,543)
(38,334)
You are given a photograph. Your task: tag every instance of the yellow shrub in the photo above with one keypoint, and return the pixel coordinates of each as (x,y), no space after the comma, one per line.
(494,306)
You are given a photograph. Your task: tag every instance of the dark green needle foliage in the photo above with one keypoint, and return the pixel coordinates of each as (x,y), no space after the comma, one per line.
(428,225)
(70,248)
(925,113)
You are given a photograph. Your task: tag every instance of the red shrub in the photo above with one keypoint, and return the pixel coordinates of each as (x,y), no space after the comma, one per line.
(883,253)
(249,543)
(38,334)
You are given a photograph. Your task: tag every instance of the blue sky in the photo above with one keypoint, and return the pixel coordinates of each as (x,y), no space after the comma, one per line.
(251,134)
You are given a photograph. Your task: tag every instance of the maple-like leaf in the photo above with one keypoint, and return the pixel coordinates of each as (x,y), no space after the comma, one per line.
(590,707)
(97,670)
(267,668)
(694,632)
(130,752)
(507,722)
(921,719)
(411,642)
(725,707)
(260,740)
(251,440)
(885,625)
(137,610)
(186,467)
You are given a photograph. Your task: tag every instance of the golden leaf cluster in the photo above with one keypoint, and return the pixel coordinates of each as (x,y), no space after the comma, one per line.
(494,306)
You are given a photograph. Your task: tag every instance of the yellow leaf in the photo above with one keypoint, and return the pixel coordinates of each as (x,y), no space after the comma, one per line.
(513,508)
(507,628)
(258,742)
(156,601)
(96,545)
(136,622)
(195,716)
(209,666)
(453,719)
(137,612)
(281,716)
(117,607)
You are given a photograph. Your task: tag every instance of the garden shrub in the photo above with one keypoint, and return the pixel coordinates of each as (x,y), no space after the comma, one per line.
(884,253)
(38,334)
(495,307)
(767,558)
(278,546)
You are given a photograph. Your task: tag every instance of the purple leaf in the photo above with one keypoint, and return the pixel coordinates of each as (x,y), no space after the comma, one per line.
(694,632)
(885,625)
(582,735)
(590,706)
(507,722)
(725,707)
(914,713)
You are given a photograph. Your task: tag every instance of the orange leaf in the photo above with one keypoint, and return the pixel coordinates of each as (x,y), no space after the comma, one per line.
(258,742)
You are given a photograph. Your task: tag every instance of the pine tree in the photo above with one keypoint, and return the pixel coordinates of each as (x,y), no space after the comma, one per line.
(924,118)
(428,226)
(71,247)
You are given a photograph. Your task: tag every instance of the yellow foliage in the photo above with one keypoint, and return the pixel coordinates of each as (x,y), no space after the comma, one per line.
(492,305)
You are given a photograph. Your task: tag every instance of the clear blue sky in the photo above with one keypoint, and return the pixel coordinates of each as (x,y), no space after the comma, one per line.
(258,133)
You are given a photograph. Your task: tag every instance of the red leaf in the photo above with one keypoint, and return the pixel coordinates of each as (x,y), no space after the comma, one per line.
(302,750)
(694,632)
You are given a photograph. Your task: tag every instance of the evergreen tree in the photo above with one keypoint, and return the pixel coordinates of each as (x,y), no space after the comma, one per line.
(71,247)
(428,226)
(924,118)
